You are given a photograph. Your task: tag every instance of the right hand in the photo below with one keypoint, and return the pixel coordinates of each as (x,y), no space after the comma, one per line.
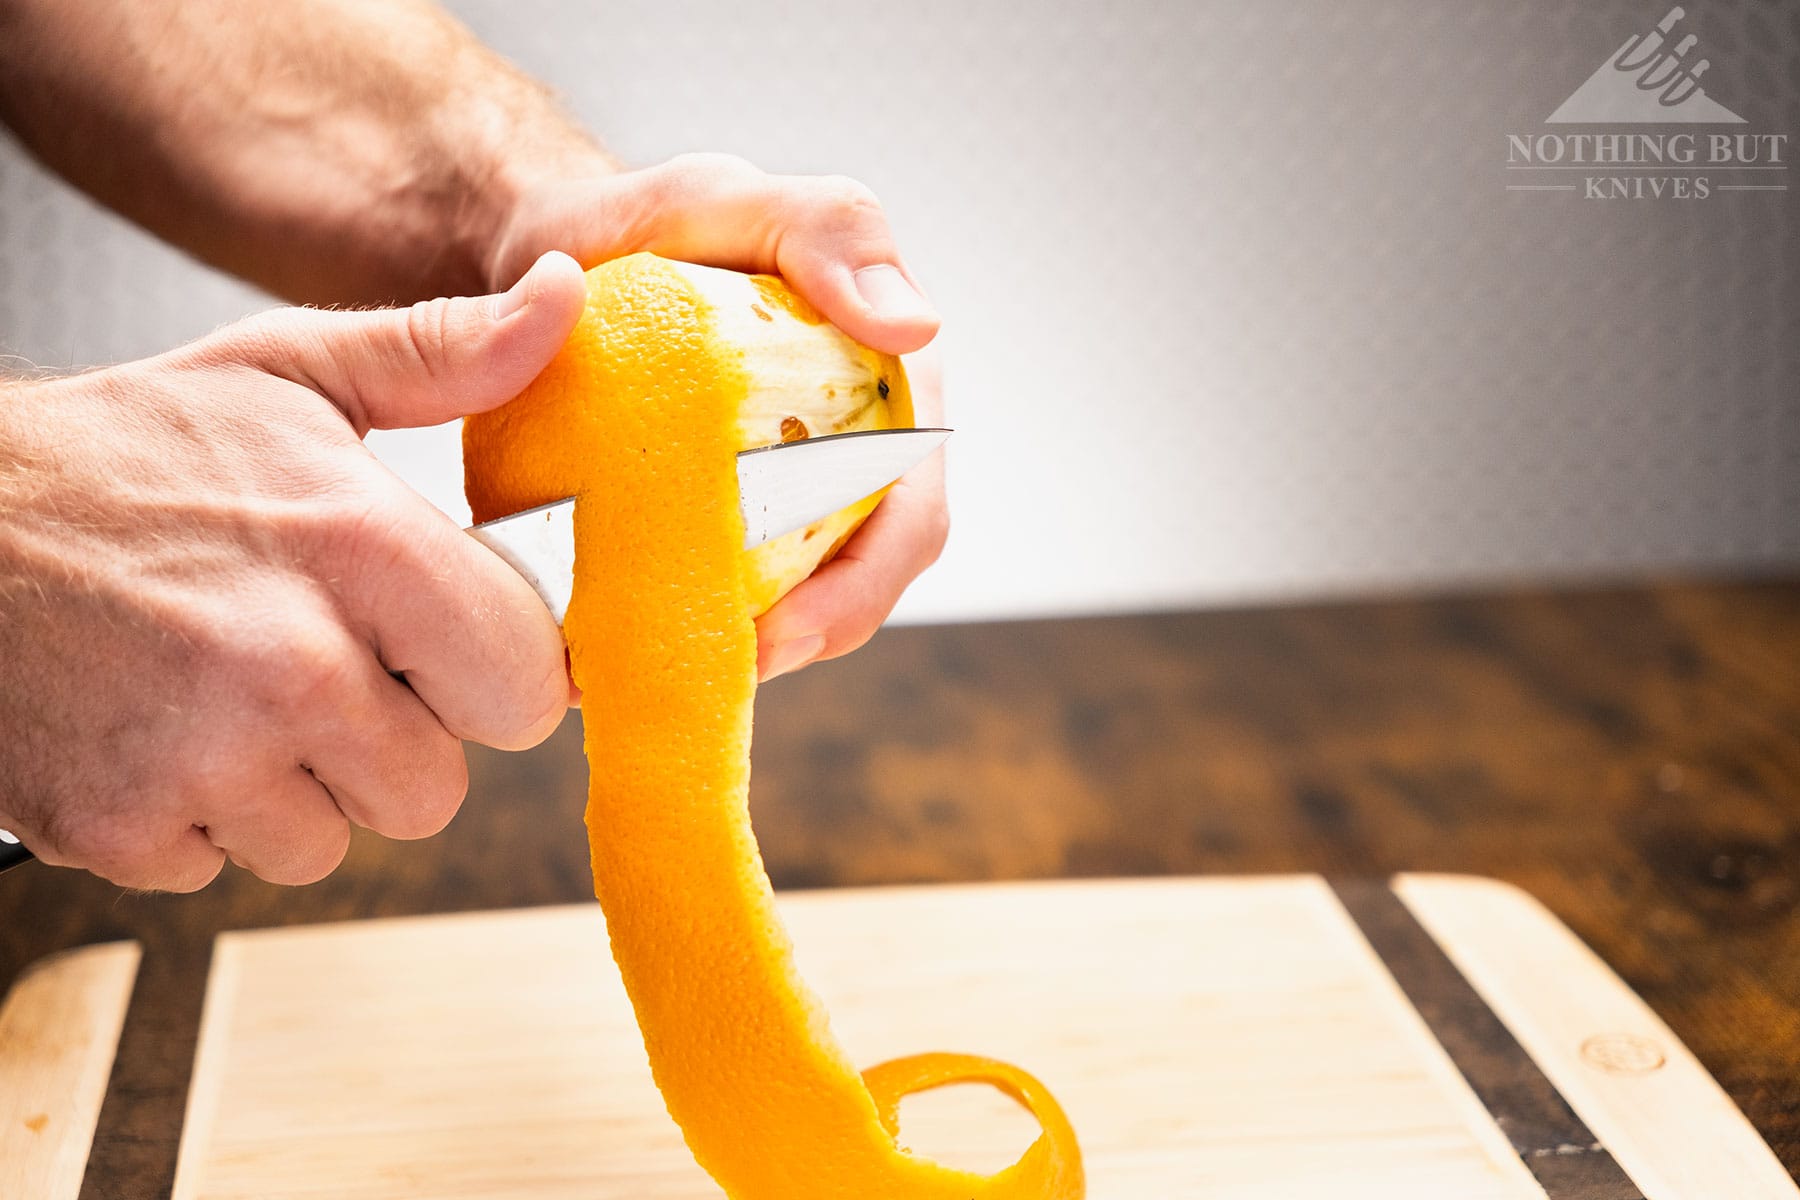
(226,630)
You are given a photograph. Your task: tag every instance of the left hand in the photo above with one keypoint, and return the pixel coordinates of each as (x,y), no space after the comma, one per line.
(828,237)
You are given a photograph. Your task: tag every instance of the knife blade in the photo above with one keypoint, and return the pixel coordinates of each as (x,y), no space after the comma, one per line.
(781,488)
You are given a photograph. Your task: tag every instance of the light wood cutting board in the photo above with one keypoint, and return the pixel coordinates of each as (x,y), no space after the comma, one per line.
(1256,1039)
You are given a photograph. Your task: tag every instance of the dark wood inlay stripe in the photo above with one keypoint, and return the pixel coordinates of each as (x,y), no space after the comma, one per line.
(138,1137)
(1555,1144)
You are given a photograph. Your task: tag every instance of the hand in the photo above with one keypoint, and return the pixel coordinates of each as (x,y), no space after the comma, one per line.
(226,631)
(826,236)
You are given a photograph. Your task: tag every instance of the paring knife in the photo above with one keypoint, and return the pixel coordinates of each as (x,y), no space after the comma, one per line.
(780,489)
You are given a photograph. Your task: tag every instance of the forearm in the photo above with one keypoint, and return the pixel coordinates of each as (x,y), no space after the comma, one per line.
(336,151)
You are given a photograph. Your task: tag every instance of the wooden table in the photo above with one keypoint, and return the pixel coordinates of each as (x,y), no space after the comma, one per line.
(1630,756)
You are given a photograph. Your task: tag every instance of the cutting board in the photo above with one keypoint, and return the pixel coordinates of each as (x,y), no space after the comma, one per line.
(1434,1038)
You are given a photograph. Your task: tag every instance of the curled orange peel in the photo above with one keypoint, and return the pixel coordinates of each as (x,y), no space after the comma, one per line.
(639,418)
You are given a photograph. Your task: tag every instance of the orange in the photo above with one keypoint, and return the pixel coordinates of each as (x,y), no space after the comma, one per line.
(640,417)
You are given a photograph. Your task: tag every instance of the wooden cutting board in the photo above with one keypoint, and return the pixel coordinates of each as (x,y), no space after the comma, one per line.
(1441,1038)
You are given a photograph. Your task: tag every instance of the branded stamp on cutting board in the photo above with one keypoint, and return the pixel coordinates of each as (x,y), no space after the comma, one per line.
(1438,1037)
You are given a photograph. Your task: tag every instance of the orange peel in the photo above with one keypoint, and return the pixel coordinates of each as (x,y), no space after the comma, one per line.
(640,417)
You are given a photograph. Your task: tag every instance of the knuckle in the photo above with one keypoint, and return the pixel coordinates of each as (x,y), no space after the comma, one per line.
(533,712)
(676,185)
(255,337)
(708,165)
(364,535)
(847,201)
(136,854)
(196,871)
(442,802)
(684,186)
(524,683)
(253,672)
(106,846)
(434,798)
(306,670)
(281,341)
(317,667)
(315,859)
(429,332)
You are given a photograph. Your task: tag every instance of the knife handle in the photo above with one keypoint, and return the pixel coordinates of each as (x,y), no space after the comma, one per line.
(11,852)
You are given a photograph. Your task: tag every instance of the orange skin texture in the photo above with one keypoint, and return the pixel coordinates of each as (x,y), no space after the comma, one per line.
(636,418)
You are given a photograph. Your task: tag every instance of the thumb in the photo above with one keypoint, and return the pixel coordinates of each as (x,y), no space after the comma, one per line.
(431,363)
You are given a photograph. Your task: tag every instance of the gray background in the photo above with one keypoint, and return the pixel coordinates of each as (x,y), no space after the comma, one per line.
(1239,307)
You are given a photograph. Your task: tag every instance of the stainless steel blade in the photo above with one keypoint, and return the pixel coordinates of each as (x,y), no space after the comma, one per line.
(780,489)
(788,487)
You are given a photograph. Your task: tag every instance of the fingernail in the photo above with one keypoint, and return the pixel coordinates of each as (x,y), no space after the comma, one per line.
(515,297)
(886,291)
(791,656)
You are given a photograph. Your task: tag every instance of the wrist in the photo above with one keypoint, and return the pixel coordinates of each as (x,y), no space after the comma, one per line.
(497,226)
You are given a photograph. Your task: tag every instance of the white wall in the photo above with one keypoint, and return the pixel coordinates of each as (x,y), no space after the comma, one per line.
(1239,306)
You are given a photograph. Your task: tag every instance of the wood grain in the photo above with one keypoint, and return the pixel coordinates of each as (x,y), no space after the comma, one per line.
(1630,756)
(1207,1038)
(1558,1148)
(1636,1087)
(59,1028)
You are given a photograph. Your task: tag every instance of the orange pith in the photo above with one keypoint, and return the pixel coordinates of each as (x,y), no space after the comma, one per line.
(637,417)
